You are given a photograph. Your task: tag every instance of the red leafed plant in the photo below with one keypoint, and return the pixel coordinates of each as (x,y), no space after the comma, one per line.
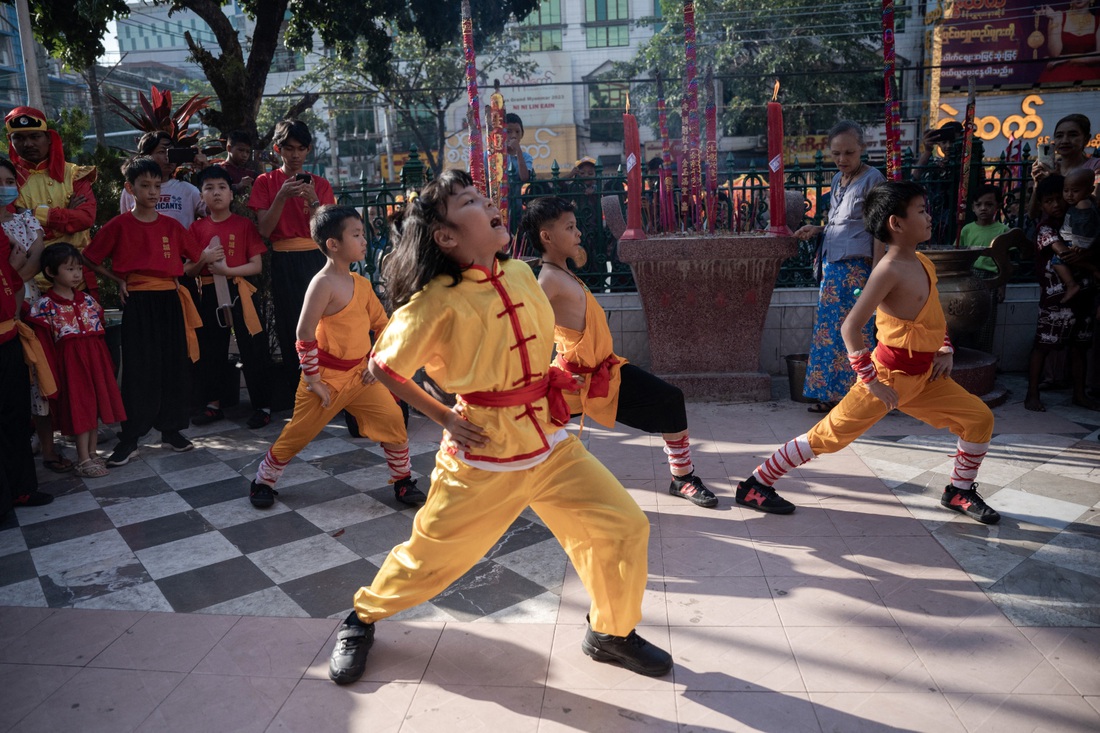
(157,114)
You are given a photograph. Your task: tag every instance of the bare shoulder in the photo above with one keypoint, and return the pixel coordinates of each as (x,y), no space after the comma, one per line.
(552,279)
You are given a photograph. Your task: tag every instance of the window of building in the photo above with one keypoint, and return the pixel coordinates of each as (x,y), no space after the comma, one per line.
(542,28)
(607,23)
(7,56)
(606,104)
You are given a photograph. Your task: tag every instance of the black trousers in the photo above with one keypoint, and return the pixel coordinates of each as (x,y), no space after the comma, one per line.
(156,370)
(214,350)
(290,276)
(649,403)
(16,461)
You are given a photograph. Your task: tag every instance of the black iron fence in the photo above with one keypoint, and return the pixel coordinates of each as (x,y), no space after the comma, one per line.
(742,207)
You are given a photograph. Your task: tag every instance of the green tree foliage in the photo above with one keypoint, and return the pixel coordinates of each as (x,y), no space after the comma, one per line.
(824,55)
(419,84)
(238,79)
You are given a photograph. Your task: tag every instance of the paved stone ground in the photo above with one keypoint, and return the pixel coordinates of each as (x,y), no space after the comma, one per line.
(158,598)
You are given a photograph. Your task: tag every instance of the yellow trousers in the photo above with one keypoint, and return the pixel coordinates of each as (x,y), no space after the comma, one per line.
(599,525)
(941,404)
(372,406)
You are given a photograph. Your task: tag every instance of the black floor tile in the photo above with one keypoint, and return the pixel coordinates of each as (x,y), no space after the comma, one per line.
(136,489)
(215,492)
(17,567)
(523,533)
(487,588)
(348,461)
(330,591)
(67,588)
(271,531)
(300,496)
(377,535)
(424,464)
(164,463)
(217,583)
(66,528)
(163,530)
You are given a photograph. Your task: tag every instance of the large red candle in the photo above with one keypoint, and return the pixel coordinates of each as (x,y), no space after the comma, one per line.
(777,204)
(632,149)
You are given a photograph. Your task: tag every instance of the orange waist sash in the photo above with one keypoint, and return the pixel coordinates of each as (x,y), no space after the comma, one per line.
(33,355)
(245,290)
(294,244)
(191,319)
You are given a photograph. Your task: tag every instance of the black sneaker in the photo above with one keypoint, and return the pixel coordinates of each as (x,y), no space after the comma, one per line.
(631,651)
(207,416)
(691,487)
(35,498)
(259,419)
(970,503)
(349,657)
(762,498)
(261,495)
(405,491)
(124,453)
(175,439)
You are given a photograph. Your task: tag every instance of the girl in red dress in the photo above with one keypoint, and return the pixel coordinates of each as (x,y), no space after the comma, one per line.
(87,390)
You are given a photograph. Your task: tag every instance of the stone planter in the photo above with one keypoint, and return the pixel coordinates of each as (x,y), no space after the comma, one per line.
(705,299)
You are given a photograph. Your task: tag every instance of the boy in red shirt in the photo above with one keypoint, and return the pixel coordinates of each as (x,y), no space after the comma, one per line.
(284,200)
(147,252)
(232,249)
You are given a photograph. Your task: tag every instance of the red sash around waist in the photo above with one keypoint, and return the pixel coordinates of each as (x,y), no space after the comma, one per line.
(550,387)
(600,384)
(329,361)
(902,360)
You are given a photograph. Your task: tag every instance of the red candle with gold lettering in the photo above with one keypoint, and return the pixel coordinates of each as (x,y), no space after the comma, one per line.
(632,149)
(776,197)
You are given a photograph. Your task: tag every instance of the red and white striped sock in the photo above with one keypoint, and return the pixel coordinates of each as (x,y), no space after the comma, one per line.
(679,456)
(270,470)
(398,462)
(968,459)
(791,454)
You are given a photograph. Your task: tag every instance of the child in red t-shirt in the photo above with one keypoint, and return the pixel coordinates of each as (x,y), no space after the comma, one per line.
(284,200)
(232,249)
(147,253)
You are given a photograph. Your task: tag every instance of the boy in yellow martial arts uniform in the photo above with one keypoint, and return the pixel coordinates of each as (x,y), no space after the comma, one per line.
(334,338)
(909,370)
(613,391)
(482,328)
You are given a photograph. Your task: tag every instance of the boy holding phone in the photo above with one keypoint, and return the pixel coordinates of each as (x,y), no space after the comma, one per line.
(178,199)
(238,161)
(284,200)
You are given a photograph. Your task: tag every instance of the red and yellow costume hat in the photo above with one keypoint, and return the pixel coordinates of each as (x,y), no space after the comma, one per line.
(29,119)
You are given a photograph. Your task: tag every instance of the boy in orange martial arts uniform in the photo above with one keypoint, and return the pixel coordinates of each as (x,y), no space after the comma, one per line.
(613,390)
(909,370)
(334,338)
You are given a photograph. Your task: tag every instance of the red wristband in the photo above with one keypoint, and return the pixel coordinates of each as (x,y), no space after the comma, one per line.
(307,357)
(947,343)
(863,366)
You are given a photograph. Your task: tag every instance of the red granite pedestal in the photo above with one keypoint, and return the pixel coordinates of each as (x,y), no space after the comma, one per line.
(705,300)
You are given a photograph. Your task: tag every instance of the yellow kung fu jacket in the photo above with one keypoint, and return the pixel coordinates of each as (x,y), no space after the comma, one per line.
(492,332)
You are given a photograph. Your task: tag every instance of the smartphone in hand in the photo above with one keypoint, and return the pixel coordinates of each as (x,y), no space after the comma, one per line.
(303,178)
(182,156)
(1046,155)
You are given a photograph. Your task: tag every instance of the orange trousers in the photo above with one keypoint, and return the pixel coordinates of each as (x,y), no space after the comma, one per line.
(941,403)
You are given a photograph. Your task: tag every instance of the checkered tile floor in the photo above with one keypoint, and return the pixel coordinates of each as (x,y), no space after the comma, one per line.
(175,532)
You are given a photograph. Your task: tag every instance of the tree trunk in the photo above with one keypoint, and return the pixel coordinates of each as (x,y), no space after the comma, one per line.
(91,76)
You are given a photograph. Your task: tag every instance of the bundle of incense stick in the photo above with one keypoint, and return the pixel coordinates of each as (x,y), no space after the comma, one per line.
(665,193)
(477,147)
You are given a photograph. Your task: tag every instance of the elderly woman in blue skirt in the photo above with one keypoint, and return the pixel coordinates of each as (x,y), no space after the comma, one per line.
(848,252)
